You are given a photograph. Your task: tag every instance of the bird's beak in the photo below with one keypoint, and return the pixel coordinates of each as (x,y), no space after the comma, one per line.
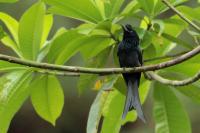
(124,28)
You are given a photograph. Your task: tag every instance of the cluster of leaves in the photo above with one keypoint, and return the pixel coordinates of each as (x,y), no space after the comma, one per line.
(96,39)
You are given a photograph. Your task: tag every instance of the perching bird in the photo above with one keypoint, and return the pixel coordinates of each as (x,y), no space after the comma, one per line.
(130,55)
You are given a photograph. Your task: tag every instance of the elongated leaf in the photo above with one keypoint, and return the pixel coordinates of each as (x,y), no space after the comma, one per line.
(170,116)
(47,98)
(30,30)
(177,40)
(11,24)
(130,9)
(48,22)
(101,6)
(147,6)
(180,72)
(7,41)
(161,7)
(86,81)
(112,7)
(83,10)
(94,45)
(96,112)
(147,40)
(64,46)
(8,1)
(113,112)
(6,66)
(162,45)
(13,92)
(191,13)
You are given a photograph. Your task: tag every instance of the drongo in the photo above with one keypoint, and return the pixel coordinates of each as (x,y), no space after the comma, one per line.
(130,55)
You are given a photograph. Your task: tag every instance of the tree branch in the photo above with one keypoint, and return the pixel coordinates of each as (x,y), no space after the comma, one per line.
(184,82)
(167,3)
(165,57)
(102,71)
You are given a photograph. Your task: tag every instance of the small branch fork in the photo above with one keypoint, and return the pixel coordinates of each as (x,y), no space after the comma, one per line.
(76,71)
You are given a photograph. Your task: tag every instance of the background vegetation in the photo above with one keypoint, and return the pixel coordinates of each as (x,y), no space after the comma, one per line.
(86,33)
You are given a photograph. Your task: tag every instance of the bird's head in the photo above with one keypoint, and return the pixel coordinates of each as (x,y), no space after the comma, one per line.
(129,32)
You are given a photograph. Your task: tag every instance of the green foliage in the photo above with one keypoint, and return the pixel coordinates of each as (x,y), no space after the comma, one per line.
(170,117)
(13,92)
(84,10)
(8,1)
(47,97)
(30,31)
(96,40)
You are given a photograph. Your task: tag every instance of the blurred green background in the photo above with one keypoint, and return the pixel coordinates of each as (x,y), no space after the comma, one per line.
(76,109)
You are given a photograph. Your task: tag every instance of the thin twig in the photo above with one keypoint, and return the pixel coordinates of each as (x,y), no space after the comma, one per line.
(165,57)
(102,71)
(184,82)
(167,3)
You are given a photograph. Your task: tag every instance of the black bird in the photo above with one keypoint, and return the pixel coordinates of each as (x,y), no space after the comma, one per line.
(130,55)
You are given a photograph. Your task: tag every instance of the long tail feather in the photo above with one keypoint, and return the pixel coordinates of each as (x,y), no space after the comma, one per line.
(133,100)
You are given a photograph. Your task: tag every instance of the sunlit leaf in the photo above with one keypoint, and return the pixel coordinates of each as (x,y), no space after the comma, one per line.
(94,45)
(131,8)
(64,46)
(48,22)
(112,7)
(113,112)
(161,7)
(147,6)
(8,1)
(170,116)
(11,24)
(14,91)
(47,97)
(96,112)
(86,81)
(190,13)
(84,10)
(30,30)
(6,66)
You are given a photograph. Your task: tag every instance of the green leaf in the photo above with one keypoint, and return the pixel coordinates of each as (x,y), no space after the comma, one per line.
(190,13)
(147,6)
(7,41)
(8,1)
(47,98)
(131,8)
(31,30)
(112,7)
(48,22)
(6,66)
(2,33)
(86,81)
(84,10)
(161,7)
(65,46)
(11,24)
(177,41)
(162,45)
(94,45)
(170,116)
(180,72)
(14,91)
(96,112)
(113,112)
(108,83)
(101,7)
(146,40)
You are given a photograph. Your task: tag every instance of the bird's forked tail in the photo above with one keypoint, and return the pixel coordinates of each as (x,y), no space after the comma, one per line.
(133,100)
